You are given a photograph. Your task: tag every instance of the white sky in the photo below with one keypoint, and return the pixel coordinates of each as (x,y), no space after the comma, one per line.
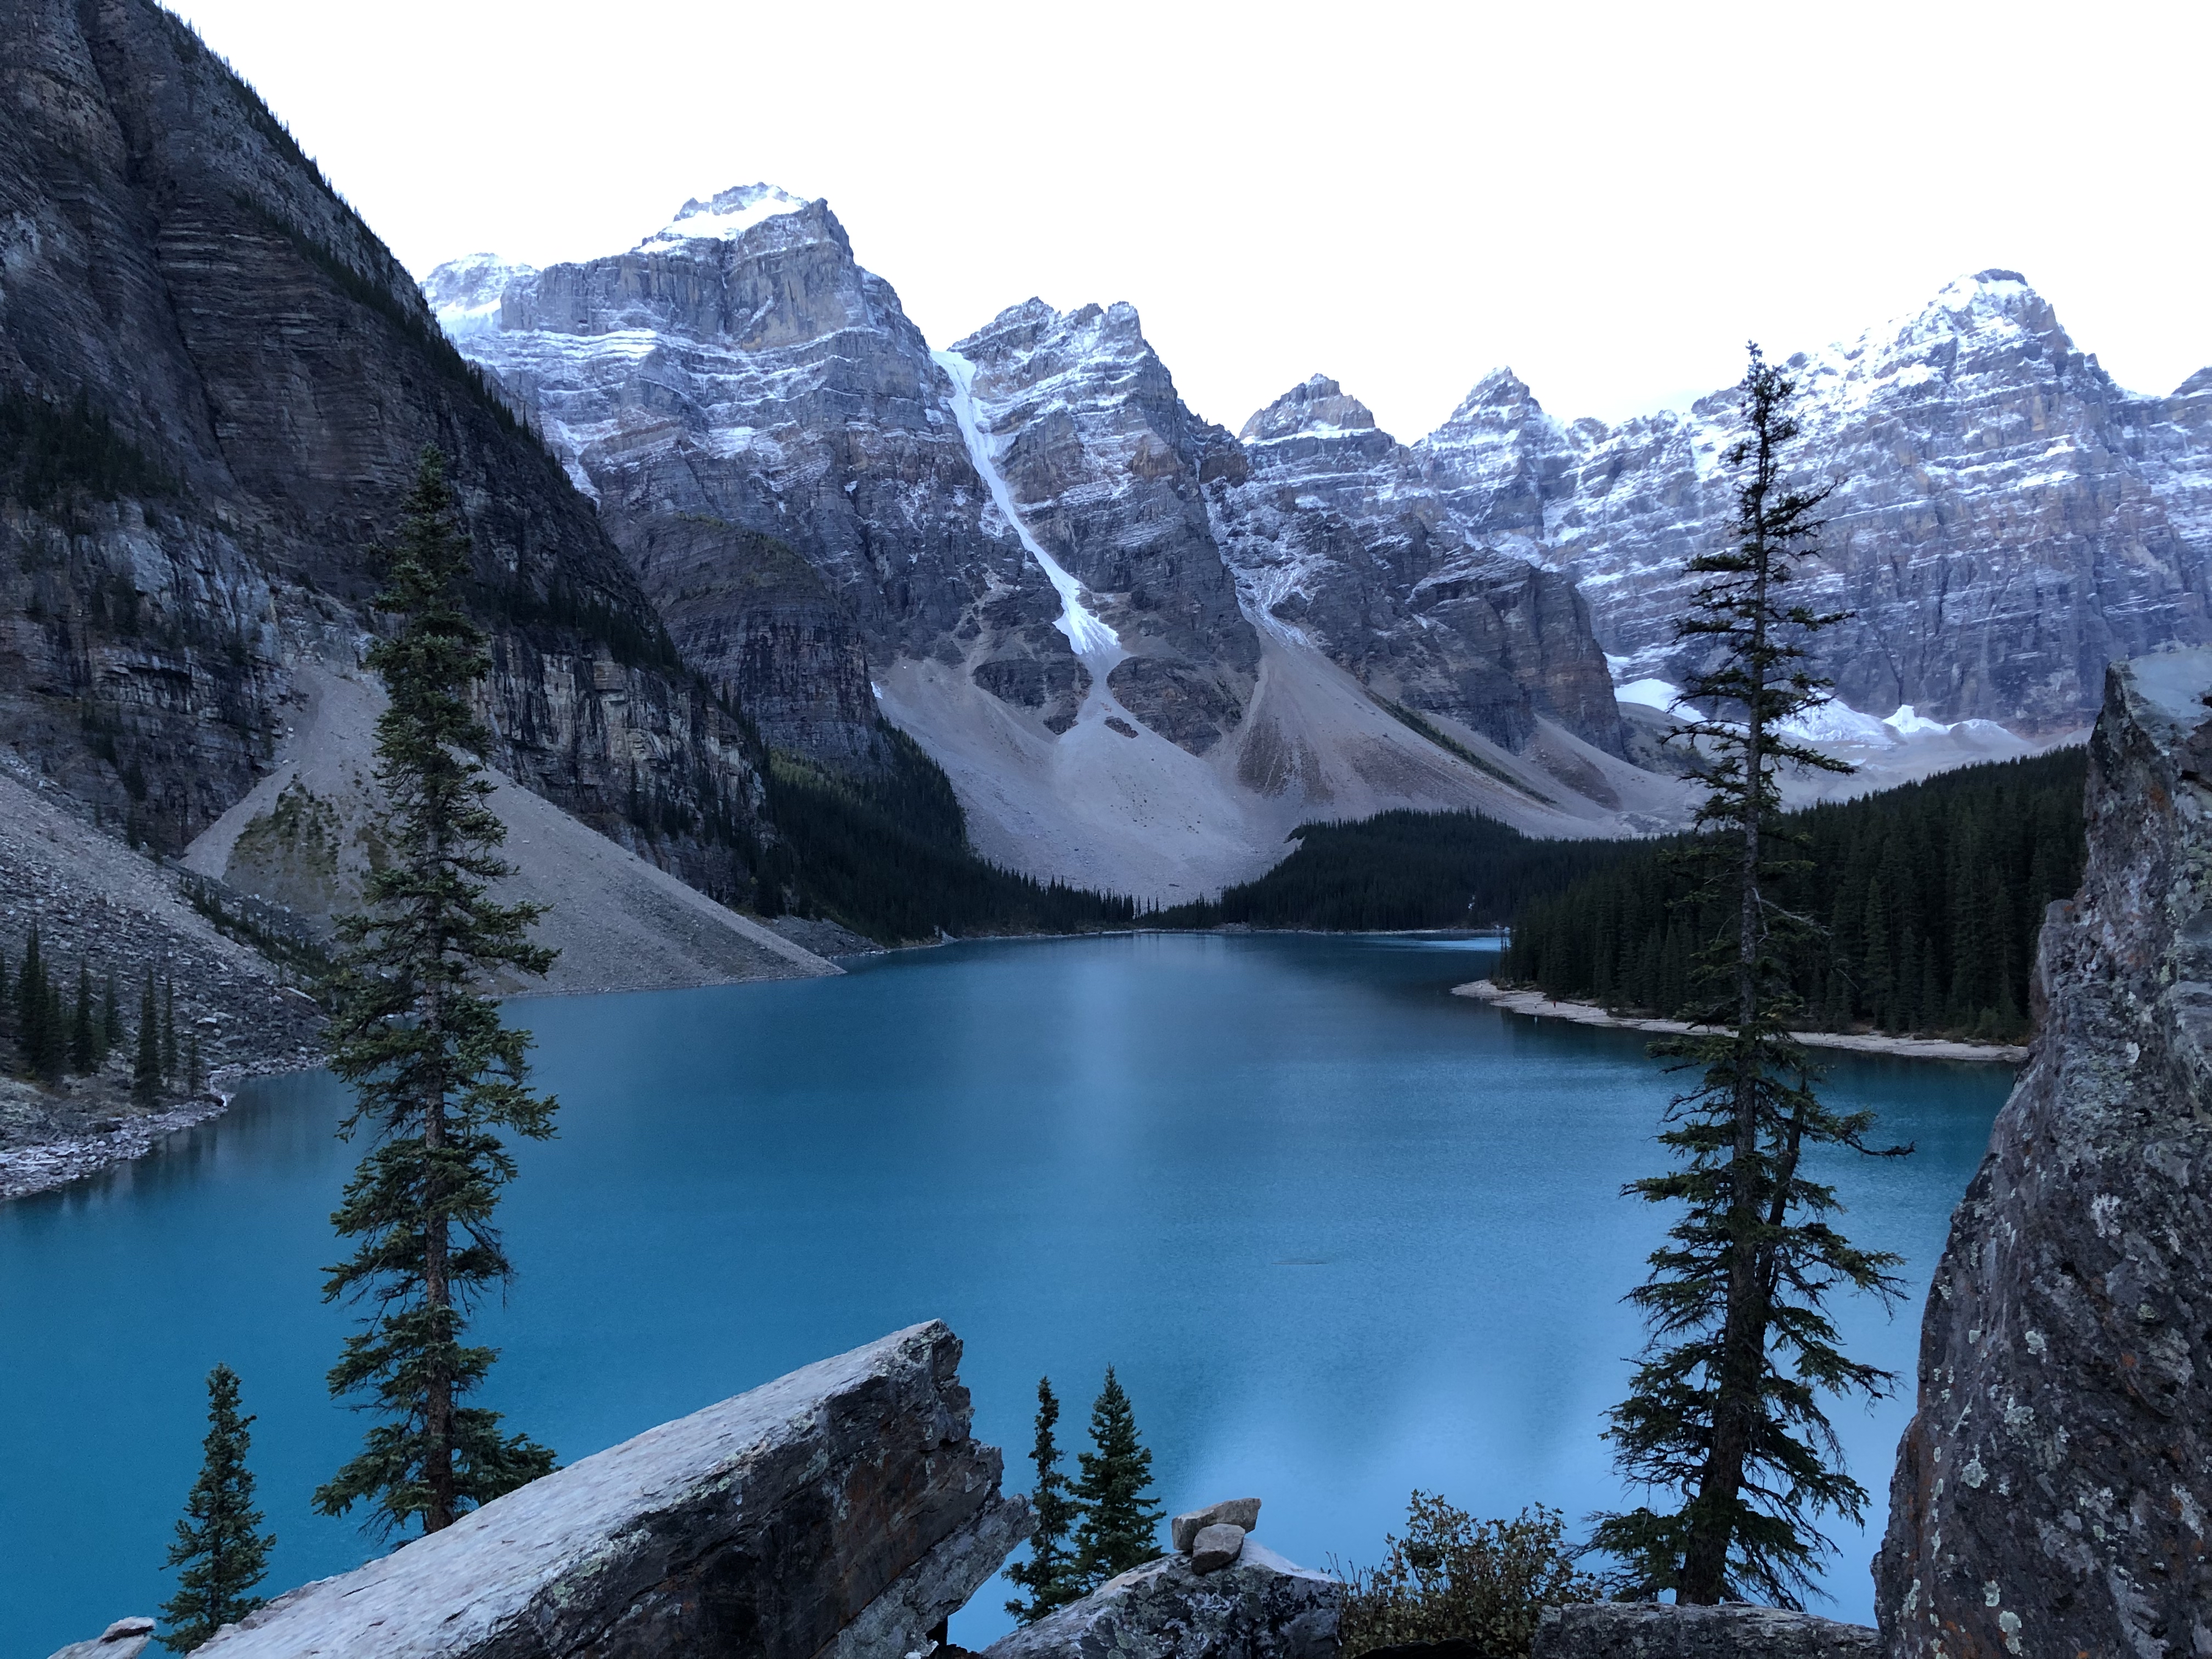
(1610,199)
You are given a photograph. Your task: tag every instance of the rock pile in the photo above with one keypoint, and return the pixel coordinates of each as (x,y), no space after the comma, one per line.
(1219,1595)
(1213,1537)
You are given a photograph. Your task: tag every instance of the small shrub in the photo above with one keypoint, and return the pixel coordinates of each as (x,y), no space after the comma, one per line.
(1454,1578)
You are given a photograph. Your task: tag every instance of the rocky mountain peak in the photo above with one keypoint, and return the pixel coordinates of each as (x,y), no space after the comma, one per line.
(1317,405)
(725,216)
(1500,398)
(465,292)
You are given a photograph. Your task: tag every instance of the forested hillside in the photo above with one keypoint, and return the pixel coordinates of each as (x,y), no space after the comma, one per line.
(1402,870)
(1930,896)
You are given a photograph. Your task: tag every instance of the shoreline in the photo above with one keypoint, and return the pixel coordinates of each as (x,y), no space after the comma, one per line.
(1537,1004)
(44,1166)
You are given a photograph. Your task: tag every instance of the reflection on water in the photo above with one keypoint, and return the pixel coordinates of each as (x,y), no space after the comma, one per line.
(1342,1235)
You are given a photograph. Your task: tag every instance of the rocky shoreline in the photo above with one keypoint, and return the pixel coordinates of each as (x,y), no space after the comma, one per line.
(1588,1013)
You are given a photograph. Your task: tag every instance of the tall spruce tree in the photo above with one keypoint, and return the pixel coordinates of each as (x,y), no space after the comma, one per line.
(1725,1417)
(1049,1574)
(1120,1524)
(168,1030)
(219,1544)
(41,1037)
(84,1033)
(146,1062)
(111,1020)
(434,1073)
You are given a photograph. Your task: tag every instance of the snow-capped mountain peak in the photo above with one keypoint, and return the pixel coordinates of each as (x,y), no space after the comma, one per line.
(724,216)
(464,292)
(1317,404)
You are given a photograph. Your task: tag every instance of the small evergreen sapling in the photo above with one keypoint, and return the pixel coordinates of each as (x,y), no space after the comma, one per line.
(1049,1574)
(1120,1521)
(219,1544)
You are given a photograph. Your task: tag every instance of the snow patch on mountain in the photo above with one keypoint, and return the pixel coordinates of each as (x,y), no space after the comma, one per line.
(723,217)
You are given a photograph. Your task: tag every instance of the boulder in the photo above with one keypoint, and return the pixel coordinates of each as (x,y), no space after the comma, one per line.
(844,1510)
(1646,1629)
(1216,1546)
(1243,1513)
(1260,1607)
(2052,1490)
(125,1638)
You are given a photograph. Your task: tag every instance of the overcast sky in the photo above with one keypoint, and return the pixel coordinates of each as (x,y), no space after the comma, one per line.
(1609,198)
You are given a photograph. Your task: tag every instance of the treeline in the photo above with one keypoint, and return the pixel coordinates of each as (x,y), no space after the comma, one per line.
(885,853)
(1929,896)
(1400,871)
(54,1030)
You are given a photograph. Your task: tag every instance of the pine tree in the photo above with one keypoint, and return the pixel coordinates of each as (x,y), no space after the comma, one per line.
(1725,1417)
(41,1041)
(111,1021)
(84,1036)
(168,1030)
(146,1066)
(1118,1523)
(1048,1574)
(219,1546)
(434,1073)
(195,1074)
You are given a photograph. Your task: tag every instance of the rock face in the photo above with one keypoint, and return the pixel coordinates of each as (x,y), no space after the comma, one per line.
(843,1510)
(2052,1491)
(126,1639)
(2006,520)
(736,390)
(1261,1608)
(1015,550)
(231,380)
(1334,535)
(1609,1629)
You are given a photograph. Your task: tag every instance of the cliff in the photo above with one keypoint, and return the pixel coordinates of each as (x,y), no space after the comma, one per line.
(214,383)
(2051,1490)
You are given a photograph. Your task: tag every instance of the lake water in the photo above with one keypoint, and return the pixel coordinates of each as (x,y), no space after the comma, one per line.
(1342,1234)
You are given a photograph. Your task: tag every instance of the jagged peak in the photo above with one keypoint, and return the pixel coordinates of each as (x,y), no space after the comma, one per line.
(1317,405)
(724,215)
(1499,392)
(464,292)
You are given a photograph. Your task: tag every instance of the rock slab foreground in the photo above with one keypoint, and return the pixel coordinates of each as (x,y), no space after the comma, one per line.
(1632,1630)
(1259,1607)
(844,1510)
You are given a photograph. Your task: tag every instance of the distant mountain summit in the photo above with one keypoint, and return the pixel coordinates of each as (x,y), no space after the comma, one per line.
(2006,521)
(1024,550)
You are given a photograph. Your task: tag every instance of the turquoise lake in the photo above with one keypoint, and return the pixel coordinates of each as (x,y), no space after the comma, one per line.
(1342,1234)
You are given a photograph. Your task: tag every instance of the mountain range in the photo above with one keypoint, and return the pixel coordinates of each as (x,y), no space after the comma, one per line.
(734,513)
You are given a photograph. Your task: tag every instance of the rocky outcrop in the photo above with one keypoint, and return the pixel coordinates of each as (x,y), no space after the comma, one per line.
(126,1639)
(215,382)
(1334,535)
(735,389)
(2006,520)
(844,1510)
(2052,1491)
(1259,1607)
(1108,469)
(1615,1630)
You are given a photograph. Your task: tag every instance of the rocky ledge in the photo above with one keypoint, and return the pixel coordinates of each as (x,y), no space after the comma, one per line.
(2052,1490)
(1651,1630)
(844,1511)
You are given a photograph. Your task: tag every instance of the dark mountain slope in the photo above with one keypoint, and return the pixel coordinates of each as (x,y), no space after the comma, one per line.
(236,377)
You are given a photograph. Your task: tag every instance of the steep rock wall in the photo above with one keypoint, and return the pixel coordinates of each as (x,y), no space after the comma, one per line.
(2051,1492)
(215,382)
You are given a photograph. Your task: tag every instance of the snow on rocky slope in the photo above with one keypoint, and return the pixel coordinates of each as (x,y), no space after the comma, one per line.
(1018,542)
(2006,520)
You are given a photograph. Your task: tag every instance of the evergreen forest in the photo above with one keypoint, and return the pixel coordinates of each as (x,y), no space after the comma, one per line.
(1400,871)
(1928,900)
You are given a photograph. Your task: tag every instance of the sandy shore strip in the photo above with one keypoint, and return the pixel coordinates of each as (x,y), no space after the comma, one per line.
(1588,1013)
